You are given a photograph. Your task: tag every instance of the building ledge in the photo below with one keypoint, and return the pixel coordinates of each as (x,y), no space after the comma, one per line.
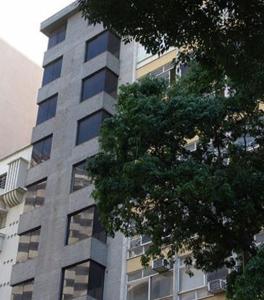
(12,198)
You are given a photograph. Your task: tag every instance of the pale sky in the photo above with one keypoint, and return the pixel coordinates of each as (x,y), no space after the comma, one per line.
(20,22)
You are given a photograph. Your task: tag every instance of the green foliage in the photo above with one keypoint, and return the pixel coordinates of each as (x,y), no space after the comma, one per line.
(226,33)
(209,201)
(250,283)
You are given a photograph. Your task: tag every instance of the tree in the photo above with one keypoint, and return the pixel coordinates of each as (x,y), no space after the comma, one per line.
(226,33)
(250,283)
(208,201)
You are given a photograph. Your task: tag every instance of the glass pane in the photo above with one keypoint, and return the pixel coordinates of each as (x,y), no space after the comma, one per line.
(111,83)
(89,127)
(23,291)
(75,282)
(96,281)
(114,44)
(47,109)
(98,230)
(93,85)
(81,225)
(52,71)
(41,151)
(96,46)
(80,177)
(134,275)
(35,195)
(188,282)
(138,291)
(57,36)
(28,245)
(161,285)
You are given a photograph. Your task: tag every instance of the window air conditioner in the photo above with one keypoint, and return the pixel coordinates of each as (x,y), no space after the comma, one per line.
(160,265)
(217,286)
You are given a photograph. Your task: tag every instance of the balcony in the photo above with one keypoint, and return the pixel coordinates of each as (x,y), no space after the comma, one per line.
(14,190)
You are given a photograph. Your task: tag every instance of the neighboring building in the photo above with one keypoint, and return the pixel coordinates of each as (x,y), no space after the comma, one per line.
(63,251)
(20,79)
(13,169)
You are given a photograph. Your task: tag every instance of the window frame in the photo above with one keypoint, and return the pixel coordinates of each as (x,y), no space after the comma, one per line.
(55,97)
(87,117)
(50,136)
(76,264)
(22,283)
(58,30)
(45,82)
(95,218)
(3,178)
(106,69)
(45,179)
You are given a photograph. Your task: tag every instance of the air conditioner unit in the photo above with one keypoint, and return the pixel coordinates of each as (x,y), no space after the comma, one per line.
(160,265)
(217,286)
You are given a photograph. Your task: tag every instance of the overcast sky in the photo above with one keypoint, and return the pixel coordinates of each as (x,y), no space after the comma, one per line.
(20,21)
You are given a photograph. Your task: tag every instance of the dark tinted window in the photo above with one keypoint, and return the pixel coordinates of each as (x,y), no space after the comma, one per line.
(47,109)
(80,177)
(35,195)
(23,291)
(85,224)
(57,36)
(41,151)
(105,41)
(83,279)
(28,245)
(89,127)
(103,80)
(52,71)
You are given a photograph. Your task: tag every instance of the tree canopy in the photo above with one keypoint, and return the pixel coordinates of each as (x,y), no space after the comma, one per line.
(227,33)
(209,199)
(250,283)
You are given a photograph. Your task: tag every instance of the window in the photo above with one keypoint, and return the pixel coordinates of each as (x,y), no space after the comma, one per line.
(138,245)
(105,41)
(161,286)
(89,127)
(188,282)
(23,291)
(80,177)
(83,279)
(103,80)
(157,287)
(41,151)
(52,71)
(35,195)
(28,245)
(47,109)
(3,180)
(57,36)
(85,224)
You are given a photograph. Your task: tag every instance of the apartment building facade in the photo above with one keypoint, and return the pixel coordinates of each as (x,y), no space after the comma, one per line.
(63,250)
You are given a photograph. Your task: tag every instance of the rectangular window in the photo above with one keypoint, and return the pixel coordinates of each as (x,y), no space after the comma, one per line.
(80,177)
(47,109)
(85,224)
(35,195)
(41,151)
(161,286)
(106,41)
(89,127)
(83,279)
(138,290)
(103,80)
(3,180)
(52,71)
(23,291)
(57,36)
(28,245)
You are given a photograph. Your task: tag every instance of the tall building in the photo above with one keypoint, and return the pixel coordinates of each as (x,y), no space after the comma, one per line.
(63,250)
(20,79)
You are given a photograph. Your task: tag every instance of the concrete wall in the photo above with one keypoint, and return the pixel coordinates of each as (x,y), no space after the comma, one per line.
(19,81)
